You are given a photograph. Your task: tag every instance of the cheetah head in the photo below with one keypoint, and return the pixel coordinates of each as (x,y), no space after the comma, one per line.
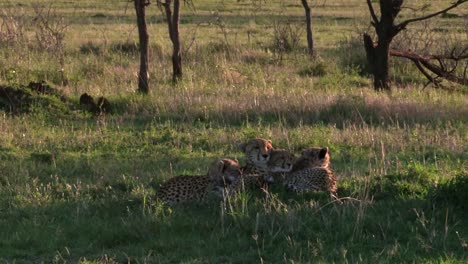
(316,157)
(280,161)
(224,172)
(257,150)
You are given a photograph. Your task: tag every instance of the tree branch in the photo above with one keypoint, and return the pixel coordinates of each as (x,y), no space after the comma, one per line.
(375,20)
(431,79)
(167,8)
(425,61)
(403,24)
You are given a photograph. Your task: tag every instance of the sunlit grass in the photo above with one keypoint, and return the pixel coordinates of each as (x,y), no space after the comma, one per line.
(79,188)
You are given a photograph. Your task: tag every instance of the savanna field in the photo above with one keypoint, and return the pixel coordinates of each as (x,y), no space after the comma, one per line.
(77,187)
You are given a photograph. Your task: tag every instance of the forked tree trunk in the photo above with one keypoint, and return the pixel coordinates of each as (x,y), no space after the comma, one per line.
(378,55)
(310,39)
(386,29)
(143,75)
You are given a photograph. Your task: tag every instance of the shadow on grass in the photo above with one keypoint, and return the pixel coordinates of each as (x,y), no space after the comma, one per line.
(122,225)
(340,112)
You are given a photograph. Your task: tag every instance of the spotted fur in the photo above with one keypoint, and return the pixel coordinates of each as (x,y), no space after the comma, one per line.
(311,179)
(223,176)
(281,161)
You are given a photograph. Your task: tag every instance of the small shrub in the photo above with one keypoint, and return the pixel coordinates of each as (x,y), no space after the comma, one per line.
(316,68)
(90,48)
(454,192)
(217,47)
(129,48)
(99,15)
(286,36)
(415,183)
(449,15)
(352,55)
(257,57)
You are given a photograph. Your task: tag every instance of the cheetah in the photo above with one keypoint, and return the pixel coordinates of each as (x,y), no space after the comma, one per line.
(222,178)
(280,161)
(311,179)
(312,157)
(257,154)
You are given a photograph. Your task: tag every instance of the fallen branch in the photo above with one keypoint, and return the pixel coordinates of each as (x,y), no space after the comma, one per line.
(423,63)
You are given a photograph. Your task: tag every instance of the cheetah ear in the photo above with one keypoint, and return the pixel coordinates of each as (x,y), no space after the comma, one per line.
(216,169)
(323,153)
(243,146)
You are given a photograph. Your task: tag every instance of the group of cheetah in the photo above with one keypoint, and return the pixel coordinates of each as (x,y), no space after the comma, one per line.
(265,165)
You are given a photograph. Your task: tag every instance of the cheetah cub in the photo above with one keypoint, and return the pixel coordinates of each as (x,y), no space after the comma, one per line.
(311,179)
(281,161)
(257,154)
(223,177)
(312,157)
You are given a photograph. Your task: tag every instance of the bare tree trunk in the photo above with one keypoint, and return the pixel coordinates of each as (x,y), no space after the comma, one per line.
(173,21)
(143,75)
(378,55)
(176,55)
(310,39)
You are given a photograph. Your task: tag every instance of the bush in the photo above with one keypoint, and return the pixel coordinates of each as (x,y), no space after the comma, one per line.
(352,55)
(129,48)
(455,192)
(316,68)
(286,36)
(90,48)
(415,183)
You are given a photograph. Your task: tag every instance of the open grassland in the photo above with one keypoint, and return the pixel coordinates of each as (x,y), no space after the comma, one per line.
(75,187)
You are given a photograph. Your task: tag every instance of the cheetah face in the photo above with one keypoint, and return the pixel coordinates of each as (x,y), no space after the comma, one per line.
(280,161)
(224,172)
(257,151)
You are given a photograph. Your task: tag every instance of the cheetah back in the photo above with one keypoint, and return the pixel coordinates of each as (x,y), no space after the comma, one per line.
(312,179)
(185,188)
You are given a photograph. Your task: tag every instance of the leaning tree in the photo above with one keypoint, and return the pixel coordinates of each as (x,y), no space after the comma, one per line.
(386,29)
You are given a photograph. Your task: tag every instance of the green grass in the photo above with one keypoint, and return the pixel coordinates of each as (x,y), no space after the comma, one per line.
(79,188)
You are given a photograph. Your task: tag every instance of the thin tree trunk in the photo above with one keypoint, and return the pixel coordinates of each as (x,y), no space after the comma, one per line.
(173,20)
(310,39)
(176,55)
(143,75)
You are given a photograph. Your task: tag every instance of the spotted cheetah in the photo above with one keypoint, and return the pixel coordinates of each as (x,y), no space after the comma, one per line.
(280,161)
(311,179)
(257,154)
(312,157)
(222,177)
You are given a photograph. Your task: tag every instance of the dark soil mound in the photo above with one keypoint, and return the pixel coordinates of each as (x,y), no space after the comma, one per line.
(22,99)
